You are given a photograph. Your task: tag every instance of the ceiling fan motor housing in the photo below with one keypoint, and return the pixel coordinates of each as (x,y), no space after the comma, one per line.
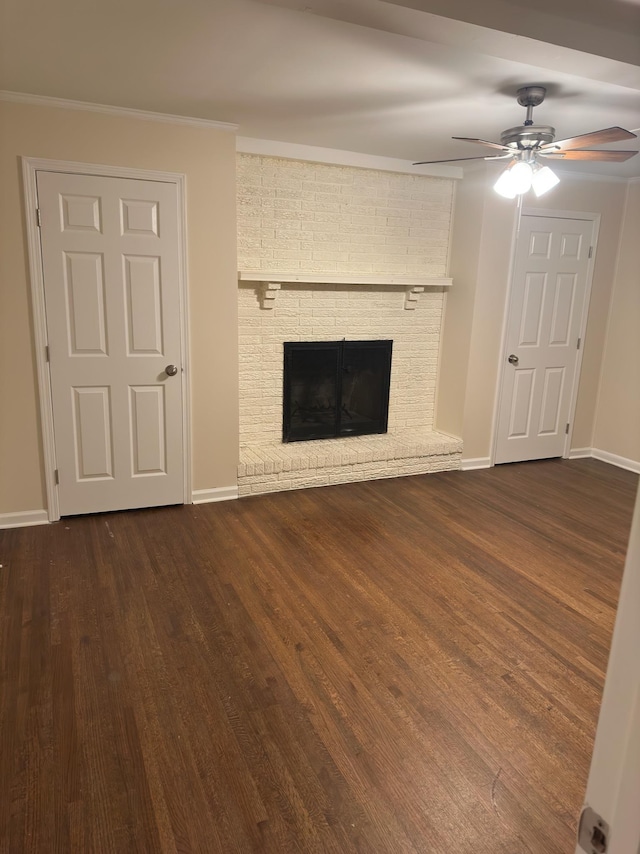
(528,137)
(531,96)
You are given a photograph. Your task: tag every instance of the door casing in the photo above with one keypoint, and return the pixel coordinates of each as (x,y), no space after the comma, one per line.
(30,166)
(553,214)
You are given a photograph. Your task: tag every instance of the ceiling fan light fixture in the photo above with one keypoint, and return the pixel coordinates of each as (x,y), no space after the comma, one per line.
(544,179)
(521,176)
(515,180)
(504,185)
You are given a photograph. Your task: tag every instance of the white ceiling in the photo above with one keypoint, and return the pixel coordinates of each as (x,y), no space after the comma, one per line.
(392,78)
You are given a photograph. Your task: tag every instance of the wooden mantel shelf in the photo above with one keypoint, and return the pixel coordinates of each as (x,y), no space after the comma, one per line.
(413,286)
(344,279)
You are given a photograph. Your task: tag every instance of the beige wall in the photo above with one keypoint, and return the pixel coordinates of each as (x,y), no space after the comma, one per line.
(207,157)
(471,341)
(617,425)
(459,302)
(488,317)
(472,333)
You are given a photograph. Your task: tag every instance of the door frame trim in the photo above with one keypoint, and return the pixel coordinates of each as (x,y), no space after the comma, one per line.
(30,167)
(547,213)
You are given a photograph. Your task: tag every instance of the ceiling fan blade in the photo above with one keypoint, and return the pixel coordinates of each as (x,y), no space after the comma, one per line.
(610,156)
(458,159)
(481,142)
(597,137)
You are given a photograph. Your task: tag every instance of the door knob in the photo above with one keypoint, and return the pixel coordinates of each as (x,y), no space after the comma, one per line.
(513,360)
(171,370)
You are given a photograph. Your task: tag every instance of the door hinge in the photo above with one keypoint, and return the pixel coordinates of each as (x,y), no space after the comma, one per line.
(566,429)
(38,217)
(578,344)
(46,352)
(590,251)
(593,832)
(57,476)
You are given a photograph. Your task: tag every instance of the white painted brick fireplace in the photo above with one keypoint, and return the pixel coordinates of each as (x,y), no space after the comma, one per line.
(332,252)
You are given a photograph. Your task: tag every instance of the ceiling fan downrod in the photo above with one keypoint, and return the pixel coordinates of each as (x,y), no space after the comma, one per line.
(528,136)
(530,97)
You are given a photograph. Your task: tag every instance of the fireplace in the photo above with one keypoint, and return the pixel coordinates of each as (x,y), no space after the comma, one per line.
(335,388)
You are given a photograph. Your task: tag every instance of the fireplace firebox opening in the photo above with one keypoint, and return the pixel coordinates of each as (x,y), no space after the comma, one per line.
(335,388)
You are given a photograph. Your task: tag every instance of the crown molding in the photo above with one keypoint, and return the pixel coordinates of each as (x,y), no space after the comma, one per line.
(337,157)
(110,110)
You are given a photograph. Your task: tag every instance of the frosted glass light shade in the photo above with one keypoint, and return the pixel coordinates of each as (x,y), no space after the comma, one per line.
(521,177)
(543,180)
(504,185)
(515,180)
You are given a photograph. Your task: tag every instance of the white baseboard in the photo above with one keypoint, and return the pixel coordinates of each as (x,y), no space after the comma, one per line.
(580,453)
(22,520)
(614,459)
(219,493)
(473,463)
(605,457)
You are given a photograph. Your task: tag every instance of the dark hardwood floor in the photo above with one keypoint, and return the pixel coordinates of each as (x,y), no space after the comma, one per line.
(410,665)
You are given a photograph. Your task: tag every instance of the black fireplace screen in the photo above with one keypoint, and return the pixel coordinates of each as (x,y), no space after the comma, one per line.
(335,388)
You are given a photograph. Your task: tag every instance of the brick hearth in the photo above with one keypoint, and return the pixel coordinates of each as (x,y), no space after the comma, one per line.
(271,468)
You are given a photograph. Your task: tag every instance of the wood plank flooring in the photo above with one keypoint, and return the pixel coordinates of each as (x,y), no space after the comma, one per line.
(411,665)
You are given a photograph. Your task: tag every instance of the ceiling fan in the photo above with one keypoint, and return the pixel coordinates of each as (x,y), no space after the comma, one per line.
(527,146)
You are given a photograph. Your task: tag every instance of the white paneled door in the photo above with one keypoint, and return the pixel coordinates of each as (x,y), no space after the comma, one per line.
(548,299)
(111,280)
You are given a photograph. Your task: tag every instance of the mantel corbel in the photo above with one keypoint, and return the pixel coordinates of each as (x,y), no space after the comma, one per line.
(411,296)
(268,293)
